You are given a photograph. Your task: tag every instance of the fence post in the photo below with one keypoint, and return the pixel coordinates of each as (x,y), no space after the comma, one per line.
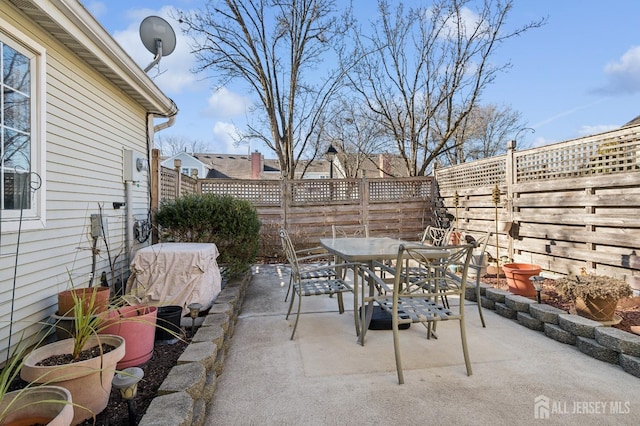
(155,191)
(510,178)
(177,165)
(364,190)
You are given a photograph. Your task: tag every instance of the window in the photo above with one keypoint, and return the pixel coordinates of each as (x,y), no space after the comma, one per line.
(21,131)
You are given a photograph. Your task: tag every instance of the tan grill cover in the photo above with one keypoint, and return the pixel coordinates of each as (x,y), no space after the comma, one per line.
(175,274)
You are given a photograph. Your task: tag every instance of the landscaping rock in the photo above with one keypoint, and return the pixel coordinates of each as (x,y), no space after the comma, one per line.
(214,334)
(630,364)
(496,294)
(188,378)
(578,325)
(487,303)
(557,333)
(505,311)
(202,352)
(518,303)
(175,409)
(530,322)
(596,350)
(545,313)
(618,340)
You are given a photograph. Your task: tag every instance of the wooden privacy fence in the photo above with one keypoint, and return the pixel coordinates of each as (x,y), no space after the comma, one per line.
(395,207)
(574,204)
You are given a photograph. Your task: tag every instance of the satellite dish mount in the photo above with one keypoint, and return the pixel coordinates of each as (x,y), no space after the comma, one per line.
(158,37)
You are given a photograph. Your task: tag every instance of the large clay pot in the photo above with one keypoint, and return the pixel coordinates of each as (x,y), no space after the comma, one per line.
(518,275)
(137,325)
(50,405)
(66,299)
(89,381)
(596,308)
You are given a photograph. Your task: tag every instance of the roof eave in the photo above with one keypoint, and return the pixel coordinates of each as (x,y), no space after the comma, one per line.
(70,23)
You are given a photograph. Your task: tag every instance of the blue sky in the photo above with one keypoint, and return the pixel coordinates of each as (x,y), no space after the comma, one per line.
(577,75)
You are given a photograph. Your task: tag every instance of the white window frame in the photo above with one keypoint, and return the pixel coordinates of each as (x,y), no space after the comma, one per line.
(35,217)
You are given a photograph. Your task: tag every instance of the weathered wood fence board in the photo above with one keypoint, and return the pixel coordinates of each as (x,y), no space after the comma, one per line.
(575,203)
(398,207)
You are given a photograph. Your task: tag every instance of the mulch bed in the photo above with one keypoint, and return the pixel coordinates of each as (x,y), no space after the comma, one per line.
(628,309)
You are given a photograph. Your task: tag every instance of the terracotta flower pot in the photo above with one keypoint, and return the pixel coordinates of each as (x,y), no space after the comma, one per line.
(50,405)
(596,308)
(137,325)
(89,381)
(66,299)
(518,275)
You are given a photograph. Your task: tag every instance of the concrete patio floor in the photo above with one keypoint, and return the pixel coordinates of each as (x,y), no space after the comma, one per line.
(323,377)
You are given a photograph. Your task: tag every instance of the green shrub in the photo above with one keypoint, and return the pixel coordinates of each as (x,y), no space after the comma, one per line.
(232,224)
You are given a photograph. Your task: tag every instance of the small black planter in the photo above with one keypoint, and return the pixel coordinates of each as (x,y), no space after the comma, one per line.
(168,326)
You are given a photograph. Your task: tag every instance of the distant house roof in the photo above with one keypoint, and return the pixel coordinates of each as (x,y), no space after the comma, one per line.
(235,166)
(634,122)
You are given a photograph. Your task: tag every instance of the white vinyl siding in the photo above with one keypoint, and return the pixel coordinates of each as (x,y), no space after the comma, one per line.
(89,123)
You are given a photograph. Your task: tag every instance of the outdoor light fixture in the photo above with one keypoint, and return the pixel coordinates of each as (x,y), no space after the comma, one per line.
(127,382)
(536,280)
(331,155)
(194,311)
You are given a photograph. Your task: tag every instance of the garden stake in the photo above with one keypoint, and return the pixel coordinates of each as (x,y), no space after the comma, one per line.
(496,200)
(456,199)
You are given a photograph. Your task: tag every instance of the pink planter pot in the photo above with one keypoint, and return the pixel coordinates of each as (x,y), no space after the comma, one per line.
(518,275)
(137,325)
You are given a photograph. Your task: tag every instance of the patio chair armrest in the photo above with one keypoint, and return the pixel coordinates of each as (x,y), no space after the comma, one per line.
(367,274)
(312,251)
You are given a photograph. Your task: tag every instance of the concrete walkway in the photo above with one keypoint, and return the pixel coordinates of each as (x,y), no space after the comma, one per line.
(323,377)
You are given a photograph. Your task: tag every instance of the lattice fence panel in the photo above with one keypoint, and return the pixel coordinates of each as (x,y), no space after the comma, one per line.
(324,190)
(486,172)
(168,184)
(257,192)
(610,153)
(400,189)
(188,185)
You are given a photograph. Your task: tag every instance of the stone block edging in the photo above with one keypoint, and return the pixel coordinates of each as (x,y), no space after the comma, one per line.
(191,383)
(607,344)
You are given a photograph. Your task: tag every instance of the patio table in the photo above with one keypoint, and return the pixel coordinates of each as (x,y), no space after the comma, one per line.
(365,251)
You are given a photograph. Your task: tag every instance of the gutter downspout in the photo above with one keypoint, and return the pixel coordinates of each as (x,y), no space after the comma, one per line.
(171,118)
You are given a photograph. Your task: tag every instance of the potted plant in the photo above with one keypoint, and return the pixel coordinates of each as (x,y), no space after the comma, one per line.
(84,365)
(594,296)
(518,275)
(137,325)
(46,404)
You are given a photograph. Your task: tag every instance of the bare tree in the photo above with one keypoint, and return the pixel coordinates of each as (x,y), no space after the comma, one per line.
(272,46)
(354,135)
(483,134)
(171,145)
(424,69)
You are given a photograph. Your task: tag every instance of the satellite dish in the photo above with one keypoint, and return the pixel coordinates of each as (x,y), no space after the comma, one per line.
(158,37)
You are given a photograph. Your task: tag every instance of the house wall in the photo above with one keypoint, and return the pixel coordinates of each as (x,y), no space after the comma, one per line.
(187,161)
(89,122)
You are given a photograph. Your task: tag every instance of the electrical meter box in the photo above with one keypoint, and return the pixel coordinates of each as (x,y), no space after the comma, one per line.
(135,164)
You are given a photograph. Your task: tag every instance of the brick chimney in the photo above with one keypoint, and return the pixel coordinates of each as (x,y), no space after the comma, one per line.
(385,165)
(256,165)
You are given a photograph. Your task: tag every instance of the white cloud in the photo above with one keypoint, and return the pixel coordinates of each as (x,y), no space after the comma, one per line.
(598,128)
(624,75)
(224,103)
(175,70)
(96,8)
(226,134)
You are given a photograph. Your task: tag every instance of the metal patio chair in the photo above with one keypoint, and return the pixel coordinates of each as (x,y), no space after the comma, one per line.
(314,281)
(414,298)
